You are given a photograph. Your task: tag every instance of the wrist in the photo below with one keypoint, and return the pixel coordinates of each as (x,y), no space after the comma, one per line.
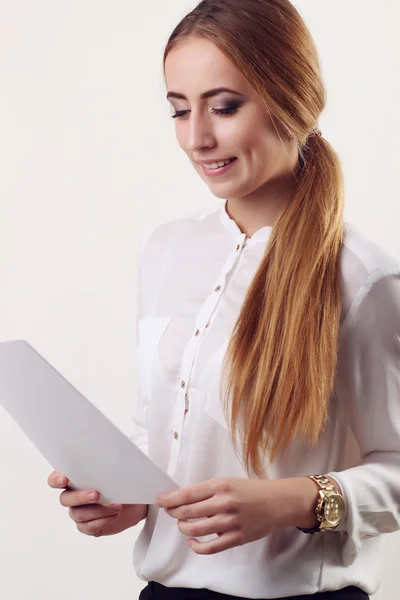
(297,501)
(134,513)
(307,518)
(144,513)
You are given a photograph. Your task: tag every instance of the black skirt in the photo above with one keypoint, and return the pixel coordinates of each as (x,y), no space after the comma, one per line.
(157,591)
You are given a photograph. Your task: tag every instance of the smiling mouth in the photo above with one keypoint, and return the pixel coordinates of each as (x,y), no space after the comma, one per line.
(214,166)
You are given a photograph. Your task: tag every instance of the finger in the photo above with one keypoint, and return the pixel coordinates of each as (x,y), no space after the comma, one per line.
(57,480)
(77,498)
(207,508)
(82,514)
(227,540)
(193,493)
(95,527)
(206,526)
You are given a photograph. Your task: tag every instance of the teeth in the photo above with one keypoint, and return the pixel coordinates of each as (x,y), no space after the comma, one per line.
(220,163)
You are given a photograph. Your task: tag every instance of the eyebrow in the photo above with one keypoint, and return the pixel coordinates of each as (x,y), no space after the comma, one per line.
(209,94)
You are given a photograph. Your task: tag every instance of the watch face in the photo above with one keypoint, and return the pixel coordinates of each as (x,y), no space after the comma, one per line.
(334,509)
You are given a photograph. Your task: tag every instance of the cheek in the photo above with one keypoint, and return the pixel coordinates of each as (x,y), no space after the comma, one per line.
(246,138)
(234,134)
(180,136)
(259,147)
(181,141)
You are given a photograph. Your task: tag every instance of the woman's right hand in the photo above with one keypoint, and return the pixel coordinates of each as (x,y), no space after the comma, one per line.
(96,519)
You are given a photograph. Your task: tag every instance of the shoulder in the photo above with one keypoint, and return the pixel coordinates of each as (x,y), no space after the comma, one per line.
(175,232)
(363,253)
(365,266)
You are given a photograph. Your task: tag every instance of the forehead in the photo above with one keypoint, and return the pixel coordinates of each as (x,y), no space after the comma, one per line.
(196,65)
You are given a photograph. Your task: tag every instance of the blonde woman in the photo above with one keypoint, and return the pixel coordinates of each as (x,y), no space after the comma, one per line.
(268,338)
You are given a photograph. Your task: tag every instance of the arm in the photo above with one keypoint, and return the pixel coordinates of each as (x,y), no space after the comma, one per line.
(139,432)
(304,515)
(368,390)
(293,510)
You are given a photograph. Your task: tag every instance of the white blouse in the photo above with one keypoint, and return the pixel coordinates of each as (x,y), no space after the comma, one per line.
(194,272)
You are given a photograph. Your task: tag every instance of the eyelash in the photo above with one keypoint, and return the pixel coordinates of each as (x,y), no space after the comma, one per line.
(218,111)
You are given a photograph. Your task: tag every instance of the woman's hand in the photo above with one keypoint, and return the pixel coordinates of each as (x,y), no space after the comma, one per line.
(239,510)
(96,519)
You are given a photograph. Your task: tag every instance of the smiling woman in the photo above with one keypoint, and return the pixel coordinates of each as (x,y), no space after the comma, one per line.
(225,122)
(270,376)
(263,188)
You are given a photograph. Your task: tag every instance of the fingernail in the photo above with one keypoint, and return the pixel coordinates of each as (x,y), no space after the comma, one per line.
(60,481)
(91,496)
(116,506)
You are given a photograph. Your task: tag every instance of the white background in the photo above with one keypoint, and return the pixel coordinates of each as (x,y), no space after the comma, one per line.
(88,163)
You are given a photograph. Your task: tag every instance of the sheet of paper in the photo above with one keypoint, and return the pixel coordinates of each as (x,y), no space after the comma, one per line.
(72,434)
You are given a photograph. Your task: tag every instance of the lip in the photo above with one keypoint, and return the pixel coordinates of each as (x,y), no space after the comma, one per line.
(211,160)
(219,171)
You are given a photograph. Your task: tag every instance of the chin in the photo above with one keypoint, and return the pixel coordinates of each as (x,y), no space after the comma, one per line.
(229,191)
(216,193)
(221,194)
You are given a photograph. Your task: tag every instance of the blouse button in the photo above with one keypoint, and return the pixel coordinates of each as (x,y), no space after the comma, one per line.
(182,384)
(197,332)
(176,434)
(237,247)
(217,288)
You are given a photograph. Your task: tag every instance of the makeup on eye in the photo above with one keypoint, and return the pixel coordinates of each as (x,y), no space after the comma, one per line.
(227,110)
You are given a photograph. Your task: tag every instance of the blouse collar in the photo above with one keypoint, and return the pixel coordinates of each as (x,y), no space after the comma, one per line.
(261,235)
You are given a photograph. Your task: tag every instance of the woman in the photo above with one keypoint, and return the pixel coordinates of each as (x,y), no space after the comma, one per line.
(268,338)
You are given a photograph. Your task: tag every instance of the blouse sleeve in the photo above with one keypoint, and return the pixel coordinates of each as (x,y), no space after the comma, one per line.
(368,390)
(139,431)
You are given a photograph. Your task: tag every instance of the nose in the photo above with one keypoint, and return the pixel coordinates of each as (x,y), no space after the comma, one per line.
(200,133)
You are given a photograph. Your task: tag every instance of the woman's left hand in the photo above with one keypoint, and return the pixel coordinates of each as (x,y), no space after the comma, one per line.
(239,510)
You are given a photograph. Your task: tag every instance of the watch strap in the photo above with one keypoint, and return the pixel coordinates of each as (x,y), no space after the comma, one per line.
(327,486)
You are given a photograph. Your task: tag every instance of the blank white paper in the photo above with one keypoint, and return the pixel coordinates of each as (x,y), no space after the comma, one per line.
(72,434)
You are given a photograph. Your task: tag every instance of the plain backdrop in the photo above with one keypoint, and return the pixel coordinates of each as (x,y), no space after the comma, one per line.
(88,164)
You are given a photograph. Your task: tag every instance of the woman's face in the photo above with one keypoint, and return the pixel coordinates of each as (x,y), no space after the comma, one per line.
(264,160)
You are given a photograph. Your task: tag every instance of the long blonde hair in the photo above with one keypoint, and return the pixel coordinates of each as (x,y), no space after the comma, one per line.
(281,359)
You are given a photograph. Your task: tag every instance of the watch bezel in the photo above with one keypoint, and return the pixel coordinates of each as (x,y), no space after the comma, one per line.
(340,500)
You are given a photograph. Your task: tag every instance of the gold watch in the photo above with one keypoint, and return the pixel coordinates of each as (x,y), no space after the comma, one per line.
(330,506)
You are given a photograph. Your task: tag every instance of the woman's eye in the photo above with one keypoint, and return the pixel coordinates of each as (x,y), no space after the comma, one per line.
(229,110)
(225,111)
(179,113)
